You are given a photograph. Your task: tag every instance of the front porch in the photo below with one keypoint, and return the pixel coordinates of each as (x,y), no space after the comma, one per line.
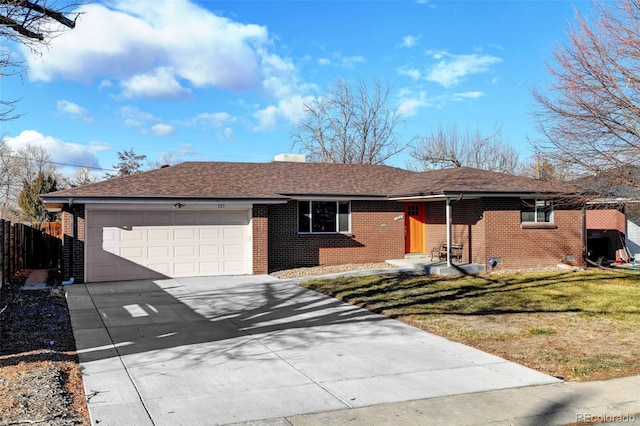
(424,263)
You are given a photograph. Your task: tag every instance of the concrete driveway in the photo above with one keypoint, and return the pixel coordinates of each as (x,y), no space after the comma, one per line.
(218,350)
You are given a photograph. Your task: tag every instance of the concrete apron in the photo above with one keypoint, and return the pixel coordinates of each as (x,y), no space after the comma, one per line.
(217,350)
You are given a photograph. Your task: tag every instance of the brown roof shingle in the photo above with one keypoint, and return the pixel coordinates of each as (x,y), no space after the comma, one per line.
(228,180)
(281,180)
(469,180)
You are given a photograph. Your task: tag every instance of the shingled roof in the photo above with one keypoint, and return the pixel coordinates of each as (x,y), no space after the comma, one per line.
(228,180)
(279,181)
(465,180)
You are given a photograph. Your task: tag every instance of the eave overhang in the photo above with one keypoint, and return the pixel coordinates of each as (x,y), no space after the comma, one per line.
(453,195)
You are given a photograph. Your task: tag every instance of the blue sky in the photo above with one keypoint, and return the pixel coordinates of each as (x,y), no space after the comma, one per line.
(225,80)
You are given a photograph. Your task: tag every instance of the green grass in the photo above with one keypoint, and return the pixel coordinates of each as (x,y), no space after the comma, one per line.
(590,293)
(578,325)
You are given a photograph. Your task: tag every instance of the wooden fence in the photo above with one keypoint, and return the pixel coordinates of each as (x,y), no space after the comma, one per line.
(28,247)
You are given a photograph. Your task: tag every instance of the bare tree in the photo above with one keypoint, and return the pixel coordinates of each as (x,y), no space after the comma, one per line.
(10,182)
(351,124)
(35,22)
(452,147)
(165,159)
(83,176)
(32,24)
(590,114)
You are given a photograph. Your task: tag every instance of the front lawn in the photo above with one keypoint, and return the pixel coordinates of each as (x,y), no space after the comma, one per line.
(577,325)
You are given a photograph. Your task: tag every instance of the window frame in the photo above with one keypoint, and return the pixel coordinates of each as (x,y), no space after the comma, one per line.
(538,206)
(337,220)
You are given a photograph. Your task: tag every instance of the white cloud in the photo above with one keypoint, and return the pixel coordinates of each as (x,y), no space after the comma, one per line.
(162,129)
(73,110)
(211,119)
(338,60)
(159,84)
(409,41)
(412,101)
(60,151)
(413,73)
(144,122)
(226,134)
(267,118)
(467,95)
(290,108)
(143,43)
(452,69)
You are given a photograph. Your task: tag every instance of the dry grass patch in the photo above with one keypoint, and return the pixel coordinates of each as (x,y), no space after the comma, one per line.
(577,325)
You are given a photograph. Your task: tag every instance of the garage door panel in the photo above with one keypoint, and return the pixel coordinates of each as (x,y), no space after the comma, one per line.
(127,236)
(136,245)
(234,218)
(232,250)
(159,252)
(185,269)
(163,268)
(100,256)
(210,233)
(211,268)
(233,233)
(128,219)
(103,219)
(234,267)
(158,234)
(186,218)
(210,250)
(185,234)
(158,219)
(185,251)
(132,253)
(210,218)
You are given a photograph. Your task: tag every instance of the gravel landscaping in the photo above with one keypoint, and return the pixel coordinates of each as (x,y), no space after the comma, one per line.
(40,377)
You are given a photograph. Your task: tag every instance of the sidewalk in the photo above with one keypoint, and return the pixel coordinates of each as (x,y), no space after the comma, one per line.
(609,401)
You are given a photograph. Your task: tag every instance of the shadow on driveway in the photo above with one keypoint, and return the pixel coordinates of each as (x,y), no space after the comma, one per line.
(215,350)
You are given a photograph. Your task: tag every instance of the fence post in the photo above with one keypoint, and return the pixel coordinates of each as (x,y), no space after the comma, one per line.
(2,260)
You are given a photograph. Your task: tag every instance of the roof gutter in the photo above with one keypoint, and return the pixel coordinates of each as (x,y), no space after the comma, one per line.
(155,201)
(472,195)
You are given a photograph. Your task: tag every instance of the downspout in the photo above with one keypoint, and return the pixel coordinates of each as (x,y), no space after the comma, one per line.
(585,235)
(448,214)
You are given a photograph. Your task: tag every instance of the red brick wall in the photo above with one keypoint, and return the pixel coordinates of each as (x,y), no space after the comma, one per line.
(492,228)
(531,248)
(604,227)
(606,219)
(73,243)
(260,239)
(375,237)
(467,228)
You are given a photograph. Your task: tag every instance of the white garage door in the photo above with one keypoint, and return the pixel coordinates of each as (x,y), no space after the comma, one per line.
(125,245)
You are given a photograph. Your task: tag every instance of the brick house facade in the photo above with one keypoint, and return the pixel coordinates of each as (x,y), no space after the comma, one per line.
(375,237)
(491,228)
(486,214)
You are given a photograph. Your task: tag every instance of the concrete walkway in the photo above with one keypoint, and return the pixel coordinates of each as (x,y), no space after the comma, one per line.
(221,350)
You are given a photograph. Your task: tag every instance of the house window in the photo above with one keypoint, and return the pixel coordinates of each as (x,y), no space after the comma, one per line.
(324,216)
(413,211)
(536,211)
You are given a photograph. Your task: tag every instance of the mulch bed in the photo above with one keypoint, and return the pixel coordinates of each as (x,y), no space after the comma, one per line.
(40,377)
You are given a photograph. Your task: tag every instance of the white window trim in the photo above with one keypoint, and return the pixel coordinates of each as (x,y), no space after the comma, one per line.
(534,202)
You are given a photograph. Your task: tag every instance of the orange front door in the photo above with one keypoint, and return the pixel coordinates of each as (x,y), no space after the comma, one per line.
(414,225)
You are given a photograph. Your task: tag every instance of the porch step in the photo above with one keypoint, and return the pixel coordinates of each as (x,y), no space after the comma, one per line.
(437,267)
(415,256)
